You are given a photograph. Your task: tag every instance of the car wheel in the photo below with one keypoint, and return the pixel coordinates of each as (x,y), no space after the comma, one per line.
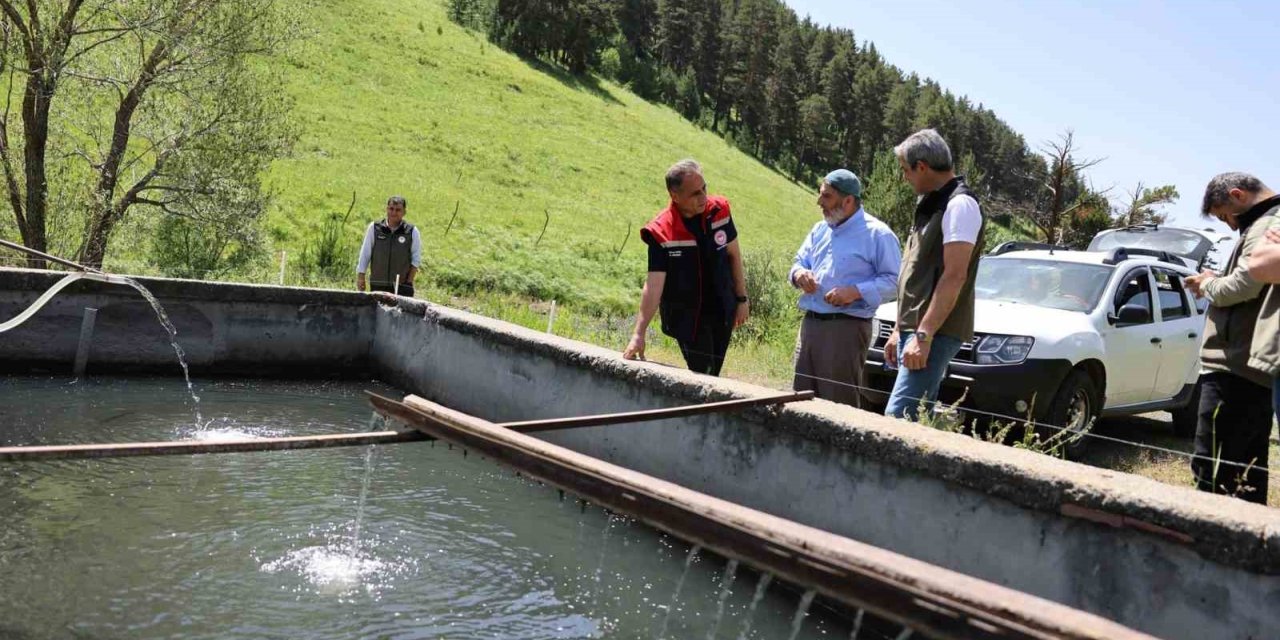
(1074,409)
(1186,418)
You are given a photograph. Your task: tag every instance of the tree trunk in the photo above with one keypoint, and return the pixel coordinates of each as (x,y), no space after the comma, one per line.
(35,130)
(94,249)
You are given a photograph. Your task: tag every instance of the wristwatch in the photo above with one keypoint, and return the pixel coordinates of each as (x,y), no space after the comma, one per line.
(741,299)
(923,337)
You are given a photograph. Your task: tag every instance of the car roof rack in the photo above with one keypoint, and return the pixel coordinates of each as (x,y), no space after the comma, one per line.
(1022,245)
(1120,254)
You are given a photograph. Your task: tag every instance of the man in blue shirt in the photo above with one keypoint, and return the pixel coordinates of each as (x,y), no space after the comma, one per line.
(846,267)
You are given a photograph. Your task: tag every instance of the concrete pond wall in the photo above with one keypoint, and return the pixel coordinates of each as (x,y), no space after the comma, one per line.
(1162,559)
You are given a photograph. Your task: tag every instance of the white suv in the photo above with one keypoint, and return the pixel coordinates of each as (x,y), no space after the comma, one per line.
(1065,336)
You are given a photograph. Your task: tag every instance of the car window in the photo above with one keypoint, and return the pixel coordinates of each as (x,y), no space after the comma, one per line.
(1067,286)
(1173,300)
(1134,289)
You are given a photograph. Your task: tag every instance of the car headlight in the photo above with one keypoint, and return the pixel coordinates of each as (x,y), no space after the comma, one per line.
(998,349)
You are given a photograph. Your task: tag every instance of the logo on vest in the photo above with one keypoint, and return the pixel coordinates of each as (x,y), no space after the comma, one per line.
(721,237)
(401,239)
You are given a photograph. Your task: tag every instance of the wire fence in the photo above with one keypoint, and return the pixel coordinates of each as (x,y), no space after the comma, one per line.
(1028,422)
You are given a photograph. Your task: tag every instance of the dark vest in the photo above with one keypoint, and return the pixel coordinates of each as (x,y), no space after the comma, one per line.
(690,267)
(922,266)
(392,254)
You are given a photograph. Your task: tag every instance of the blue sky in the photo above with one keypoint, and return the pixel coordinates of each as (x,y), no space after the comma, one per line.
(1167,92)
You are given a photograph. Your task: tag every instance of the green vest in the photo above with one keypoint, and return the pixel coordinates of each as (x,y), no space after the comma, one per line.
(922,266)
(392,254)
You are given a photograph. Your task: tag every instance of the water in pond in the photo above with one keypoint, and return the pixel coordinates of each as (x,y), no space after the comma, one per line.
(404,541)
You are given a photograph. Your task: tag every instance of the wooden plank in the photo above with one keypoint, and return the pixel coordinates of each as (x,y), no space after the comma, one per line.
(931,600)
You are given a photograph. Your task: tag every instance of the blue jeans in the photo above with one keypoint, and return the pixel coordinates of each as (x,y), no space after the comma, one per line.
(912,386)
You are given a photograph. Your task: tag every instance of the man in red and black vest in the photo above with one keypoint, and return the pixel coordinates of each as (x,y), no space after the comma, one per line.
(695,277)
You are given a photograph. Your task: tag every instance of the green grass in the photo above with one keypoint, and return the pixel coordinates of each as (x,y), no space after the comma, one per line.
(388,105)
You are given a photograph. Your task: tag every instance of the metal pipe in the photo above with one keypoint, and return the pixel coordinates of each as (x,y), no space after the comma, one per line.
(934,601)
(68,263)
(195,447)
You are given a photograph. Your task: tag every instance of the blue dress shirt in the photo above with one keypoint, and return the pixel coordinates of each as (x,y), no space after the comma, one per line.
(862,252)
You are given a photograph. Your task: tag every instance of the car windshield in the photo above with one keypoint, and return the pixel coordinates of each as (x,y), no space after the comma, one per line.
(1056,285)
(1179,242)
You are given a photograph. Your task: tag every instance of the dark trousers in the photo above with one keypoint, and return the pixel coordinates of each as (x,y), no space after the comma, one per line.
(830,354)
(705,353)
(406,290)
(1234,426)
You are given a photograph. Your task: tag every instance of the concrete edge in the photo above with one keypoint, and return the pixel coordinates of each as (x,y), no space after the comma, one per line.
(1222,529)
(37,280)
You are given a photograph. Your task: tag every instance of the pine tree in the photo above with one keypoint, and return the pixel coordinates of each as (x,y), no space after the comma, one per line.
(900,110)
(888,196)
(783,94)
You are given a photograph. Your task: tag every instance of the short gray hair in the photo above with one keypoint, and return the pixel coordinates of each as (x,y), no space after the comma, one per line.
(397,200)
(676,174)
(1217,193)
(928,146)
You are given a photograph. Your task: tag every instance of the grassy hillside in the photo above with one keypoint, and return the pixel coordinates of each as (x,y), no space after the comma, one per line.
(394,98)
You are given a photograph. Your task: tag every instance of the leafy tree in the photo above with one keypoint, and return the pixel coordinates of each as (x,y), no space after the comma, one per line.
(165,110)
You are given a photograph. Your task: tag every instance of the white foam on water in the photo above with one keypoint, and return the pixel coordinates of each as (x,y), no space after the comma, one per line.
(223,435)
(332,569)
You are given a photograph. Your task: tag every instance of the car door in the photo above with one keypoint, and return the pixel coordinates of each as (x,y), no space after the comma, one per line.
(1180,330)
(1133,351)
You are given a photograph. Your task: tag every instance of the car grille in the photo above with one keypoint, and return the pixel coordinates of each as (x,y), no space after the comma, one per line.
(886,328)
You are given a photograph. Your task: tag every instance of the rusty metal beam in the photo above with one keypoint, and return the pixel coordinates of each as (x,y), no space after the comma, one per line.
(928,599)
(656,414)
(196,447)
(192,447)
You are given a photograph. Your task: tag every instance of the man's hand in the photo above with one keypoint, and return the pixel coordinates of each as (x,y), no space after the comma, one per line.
(741,314)
(915,355)
(359,282)
(1195,284)
(842,296)
(635,348)
(1273,235)
(805,280)
(891,349)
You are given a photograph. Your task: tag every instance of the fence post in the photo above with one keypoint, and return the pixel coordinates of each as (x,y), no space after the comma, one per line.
(282,263)
(551,317)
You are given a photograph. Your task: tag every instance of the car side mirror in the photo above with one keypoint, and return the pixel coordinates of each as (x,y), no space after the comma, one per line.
(1131,314)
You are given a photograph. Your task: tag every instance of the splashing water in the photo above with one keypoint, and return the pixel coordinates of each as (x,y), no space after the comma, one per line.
(173,340)
(604,546)
(675,597)
(802,612)
(364,492)
(333,570)
(761,587)
(726,586)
